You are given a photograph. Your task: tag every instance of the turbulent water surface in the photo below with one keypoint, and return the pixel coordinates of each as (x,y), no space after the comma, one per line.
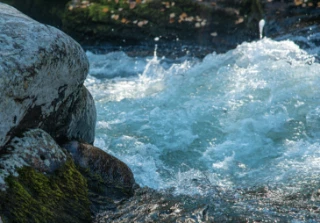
(246,118)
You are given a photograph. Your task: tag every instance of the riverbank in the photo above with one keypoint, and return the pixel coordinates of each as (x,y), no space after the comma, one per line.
(218,25)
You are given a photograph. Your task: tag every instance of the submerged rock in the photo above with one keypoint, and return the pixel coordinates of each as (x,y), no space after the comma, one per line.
(257,204)
(149,205)
(109,179)
(40,68)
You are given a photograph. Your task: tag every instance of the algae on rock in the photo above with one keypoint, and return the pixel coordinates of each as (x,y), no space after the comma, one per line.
(36,197)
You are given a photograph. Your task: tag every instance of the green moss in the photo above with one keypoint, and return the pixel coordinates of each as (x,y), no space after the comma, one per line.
(96,12)
(45,11)
(35,197)
(95,181)
(117,21)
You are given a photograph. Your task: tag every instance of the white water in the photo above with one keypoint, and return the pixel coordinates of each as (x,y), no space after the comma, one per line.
(245,118)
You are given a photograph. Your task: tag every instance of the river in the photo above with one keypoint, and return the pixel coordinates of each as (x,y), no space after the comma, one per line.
(248,118)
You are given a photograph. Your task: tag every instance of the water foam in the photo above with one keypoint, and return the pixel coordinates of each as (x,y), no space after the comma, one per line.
(244,118)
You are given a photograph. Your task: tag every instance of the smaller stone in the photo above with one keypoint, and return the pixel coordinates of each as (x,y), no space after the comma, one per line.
(116,178)
(35,148)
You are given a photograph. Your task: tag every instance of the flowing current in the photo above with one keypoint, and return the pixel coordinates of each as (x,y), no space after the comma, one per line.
(246,118)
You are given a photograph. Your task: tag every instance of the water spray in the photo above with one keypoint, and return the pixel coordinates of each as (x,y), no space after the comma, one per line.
(261,25)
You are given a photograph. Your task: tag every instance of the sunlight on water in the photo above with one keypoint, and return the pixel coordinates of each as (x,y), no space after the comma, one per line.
(244,118)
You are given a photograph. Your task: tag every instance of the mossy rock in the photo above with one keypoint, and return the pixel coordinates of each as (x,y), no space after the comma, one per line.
(110,21)
(36,197)
(109,179)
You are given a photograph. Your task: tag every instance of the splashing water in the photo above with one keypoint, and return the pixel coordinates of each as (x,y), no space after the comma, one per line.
(261,26)
(245,118)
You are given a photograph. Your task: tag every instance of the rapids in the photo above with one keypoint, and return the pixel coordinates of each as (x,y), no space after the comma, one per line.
(246,118)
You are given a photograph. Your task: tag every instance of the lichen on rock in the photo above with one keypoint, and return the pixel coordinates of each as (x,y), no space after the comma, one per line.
(40,67)
(35,197)
(36,149)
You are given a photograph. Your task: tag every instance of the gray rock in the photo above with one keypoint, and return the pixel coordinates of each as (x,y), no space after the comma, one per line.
(75,118)
(36,149)
(41,71)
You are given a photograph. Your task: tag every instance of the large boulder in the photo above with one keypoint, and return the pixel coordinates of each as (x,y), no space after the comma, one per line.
(42,71)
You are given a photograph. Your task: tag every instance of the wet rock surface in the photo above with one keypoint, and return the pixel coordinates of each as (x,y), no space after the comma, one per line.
(151,206)
(257,204)
(109,179)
